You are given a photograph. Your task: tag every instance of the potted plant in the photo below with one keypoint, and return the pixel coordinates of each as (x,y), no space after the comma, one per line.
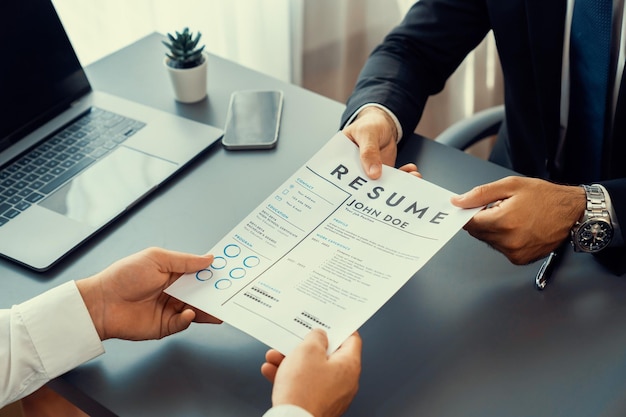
(187,65)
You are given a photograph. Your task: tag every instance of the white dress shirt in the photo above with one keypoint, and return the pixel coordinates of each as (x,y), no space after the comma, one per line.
(51,334)
(43,338)
(287,411)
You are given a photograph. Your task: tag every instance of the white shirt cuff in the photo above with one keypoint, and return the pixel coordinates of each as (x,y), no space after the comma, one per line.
(386,110)
(287,410)
(60,329)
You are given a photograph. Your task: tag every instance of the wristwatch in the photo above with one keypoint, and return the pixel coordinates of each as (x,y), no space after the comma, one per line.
(595,231)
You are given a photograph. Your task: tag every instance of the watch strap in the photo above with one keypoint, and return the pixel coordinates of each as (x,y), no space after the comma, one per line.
(596,202)
(596,214)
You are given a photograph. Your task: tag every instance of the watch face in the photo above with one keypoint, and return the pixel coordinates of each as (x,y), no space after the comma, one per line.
(594,235)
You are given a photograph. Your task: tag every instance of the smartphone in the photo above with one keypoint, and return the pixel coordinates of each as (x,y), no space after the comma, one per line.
(253,119)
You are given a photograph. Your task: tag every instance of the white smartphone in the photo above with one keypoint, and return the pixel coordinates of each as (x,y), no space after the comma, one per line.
(253,119)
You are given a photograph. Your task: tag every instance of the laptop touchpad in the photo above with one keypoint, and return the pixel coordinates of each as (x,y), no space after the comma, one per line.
(105,189)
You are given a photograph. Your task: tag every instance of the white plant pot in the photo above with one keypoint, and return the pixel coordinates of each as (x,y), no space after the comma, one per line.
(189,83)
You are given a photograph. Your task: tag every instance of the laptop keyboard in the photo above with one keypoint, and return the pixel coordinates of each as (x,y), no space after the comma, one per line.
(58,159)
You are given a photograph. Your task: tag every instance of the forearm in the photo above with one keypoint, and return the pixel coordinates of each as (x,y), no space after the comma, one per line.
(375,86)
(43,338)
(417,57)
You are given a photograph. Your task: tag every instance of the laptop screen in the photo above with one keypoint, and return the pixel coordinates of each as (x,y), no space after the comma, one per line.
(40,75)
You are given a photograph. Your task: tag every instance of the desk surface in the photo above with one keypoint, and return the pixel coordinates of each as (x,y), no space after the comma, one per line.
(468,335)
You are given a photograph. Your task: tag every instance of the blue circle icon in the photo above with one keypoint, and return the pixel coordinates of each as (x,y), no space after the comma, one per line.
(223,284)
(232,250)
(204,275)
(237,273)
(251,261)
(218,263)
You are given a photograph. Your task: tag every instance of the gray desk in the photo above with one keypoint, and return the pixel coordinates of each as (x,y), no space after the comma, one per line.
(467,336)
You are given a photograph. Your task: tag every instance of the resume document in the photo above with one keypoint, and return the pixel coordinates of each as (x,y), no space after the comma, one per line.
(326,250)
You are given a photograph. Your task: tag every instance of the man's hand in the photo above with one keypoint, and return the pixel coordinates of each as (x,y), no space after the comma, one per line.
(126,300)
(375,133)
(323,385)
(526,218)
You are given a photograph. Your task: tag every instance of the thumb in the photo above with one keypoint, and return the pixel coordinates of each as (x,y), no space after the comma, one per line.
(180,262)
(480,196)
(317,338)
(371,158)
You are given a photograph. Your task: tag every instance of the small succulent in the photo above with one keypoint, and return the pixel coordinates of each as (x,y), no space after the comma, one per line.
(184,51)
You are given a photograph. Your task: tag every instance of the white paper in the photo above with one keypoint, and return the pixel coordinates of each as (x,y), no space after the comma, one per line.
(327,249)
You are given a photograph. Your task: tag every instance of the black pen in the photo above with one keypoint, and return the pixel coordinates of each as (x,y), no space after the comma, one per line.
(547,268)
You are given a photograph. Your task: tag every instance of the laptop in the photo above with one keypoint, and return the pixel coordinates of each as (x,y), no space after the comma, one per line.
(72,159)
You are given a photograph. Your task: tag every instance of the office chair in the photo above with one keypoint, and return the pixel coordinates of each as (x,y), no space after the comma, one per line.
(466,132)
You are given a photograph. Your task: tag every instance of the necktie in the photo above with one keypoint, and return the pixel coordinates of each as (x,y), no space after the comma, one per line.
(590,50)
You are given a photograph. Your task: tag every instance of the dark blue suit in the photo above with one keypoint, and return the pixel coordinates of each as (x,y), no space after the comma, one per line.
(419,55)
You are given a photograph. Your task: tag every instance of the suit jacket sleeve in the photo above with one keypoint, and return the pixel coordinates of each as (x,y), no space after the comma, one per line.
(417,57)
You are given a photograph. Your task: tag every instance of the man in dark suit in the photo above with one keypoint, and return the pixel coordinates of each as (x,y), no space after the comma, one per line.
(553,133)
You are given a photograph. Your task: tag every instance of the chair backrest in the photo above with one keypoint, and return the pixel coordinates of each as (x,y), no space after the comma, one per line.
(466,132)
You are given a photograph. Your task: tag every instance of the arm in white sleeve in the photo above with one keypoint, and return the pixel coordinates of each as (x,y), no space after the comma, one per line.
(287,410)
(43,338)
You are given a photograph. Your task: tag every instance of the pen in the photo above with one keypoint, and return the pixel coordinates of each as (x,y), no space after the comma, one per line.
(546,269)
